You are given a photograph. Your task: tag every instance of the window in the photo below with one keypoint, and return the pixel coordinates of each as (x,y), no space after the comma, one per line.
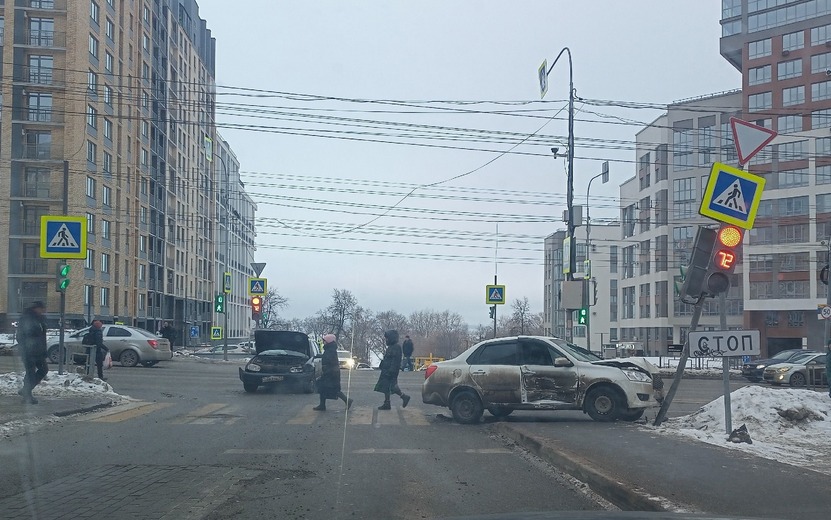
(40,106)
(142,272)
(612,259)
(793,178)
(761,291)
(94,12)
(109,62)
(144,157)
(89,262)
(793,96)
(90,187)
(41,69)
(105,229)
(108,95)
(36,183)
(824,203)
(794,289)
(820,63)
(820,119)
(496,354)
(92,117)
(106,195)
(92,81)
(728,149)
(731,8)
(793,206)
(820,35)
(92,151)
(789,124)
(759,49)
(41,32)
(110,29)
(145,129)
(761,263)
(141,302)
(792,151)
(793,262)
(107,163)
(628,303)
(105,262)
(759,75)
(142,244)
(93,46)
(683,197)
(145,99)
(145,71)
(788,69)
(758,102)
(143,215)
(793,41)
(682,149)
(707,145)
(761,235)
(612,300)
(644,307)
(90,224)
(793,234)
(796,319)
(820,91)
(105,297)
(108,129)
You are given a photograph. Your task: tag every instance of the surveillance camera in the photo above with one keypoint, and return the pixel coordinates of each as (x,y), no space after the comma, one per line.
(555,149)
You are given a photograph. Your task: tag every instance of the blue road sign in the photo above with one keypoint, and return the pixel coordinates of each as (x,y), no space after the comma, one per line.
(257,286)
(732,196)
(194,332)
(63,237)
(495,294)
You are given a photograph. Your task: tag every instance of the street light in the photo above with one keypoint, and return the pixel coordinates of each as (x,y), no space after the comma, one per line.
(227,247)
(604,173)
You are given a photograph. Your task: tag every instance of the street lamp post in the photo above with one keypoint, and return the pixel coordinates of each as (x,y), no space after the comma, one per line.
(227,251)
(605,178)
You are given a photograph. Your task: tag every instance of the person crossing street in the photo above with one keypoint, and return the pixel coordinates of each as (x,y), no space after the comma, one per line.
(388,380)
(328,386)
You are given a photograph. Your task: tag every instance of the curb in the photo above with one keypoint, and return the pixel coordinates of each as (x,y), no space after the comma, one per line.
(618,493)
(82,409)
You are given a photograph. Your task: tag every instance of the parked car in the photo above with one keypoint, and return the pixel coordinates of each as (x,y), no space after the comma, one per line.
(347,362)
(363,366)
(282,357)
(539,373)
(754,371)
(795,371)
(128,345)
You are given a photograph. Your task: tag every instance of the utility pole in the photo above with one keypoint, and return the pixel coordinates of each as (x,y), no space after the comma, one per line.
(61,326)
(604,173)
(227,250)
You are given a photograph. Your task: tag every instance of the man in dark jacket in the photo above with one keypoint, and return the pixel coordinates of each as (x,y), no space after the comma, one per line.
(388,380)
(97,339)
(168,333)
(329,383)
(31,335)
(407,350)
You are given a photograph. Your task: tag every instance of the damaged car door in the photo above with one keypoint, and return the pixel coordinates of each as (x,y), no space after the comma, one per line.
(494,370)
(549,378)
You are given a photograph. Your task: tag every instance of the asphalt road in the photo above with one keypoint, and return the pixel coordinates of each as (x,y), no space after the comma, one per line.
(193,444)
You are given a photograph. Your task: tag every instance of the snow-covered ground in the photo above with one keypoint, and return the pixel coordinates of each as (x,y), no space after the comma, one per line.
(232,360)
(57,385)
(788,425)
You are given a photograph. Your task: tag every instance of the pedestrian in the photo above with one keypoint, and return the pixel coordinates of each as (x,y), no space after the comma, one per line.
(97,339)
(168,333)
(388,380)
(31,335)
(828,367)
(407,350)
(328,386)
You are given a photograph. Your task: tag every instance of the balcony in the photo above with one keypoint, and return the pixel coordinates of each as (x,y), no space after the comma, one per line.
(41,152)
(41,76)
(46,39)
(38,115)
(50,5)
(35,266)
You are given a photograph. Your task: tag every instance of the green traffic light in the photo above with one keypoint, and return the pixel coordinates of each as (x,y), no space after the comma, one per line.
(64,284)
(64,270)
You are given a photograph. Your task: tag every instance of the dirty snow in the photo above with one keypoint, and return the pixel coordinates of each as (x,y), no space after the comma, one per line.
(56,385)
(792,426)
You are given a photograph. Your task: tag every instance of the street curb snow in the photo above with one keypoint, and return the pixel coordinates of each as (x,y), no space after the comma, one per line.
(619,493)
(83,409)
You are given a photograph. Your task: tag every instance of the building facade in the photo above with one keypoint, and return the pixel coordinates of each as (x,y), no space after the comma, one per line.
(123,93)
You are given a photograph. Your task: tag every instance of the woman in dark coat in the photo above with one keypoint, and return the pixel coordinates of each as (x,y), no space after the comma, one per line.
(329,383)
(388,380)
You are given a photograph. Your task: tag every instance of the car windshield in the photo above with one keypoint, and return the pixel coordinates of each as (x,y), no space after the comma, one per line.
(782,355)
(802,359)
(576,351)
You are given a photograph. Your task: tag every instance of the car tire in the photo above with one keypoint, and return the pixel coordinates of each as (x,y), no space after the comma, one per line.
(53,355)
(250,387)
(798,380)
(149,364)
(603,404)
(466,407)
(128,358)
(632,415)
(500,411)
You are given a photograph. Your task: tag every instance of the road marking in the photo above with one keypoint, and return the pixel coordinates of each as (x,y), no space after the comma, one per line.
(390,451)
(489,451)
(387,418)
(194,416)
(307,416)
(240,451)
(413,417)
(131,413)
(360,415)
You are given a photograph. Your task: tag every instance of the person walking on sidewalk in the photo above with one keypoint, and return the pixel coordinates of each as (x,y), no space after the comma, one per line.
(407,351)
(328,386)
(31,335)
(97,339)
(388,380)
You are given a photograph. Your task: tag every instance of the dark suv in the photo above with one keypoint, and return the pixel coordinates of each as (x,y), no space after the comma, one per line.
(283,357)
(755,370)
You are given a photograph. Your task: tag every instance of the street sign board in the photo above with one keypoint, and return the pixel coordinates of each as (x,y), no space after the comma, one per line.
(566,255)
(258,268)
(725,343)
(257,286)
(542,74)
(226,282)
(823,311)
(194,332)
(732,196)
(63,237)
(216,332)
(749,138)
(495,294)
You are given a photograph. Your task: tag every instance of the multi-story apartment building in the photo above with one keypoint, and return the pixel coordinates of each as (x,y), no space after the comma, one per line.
(604,252)
(123,92)
(783,51)
(659,217)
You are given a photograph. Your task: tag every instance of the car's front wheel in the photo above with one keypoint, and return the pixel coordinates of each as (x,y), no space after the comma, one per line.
(798,379)
(603,404)
(250,387)
(53,354)
(128,358)
(466,407)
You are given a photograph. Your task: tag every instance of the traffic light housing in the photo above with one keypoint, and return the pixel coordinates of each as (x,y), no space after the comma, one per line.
(583,316)
(219,303)
(492,311)
(62,277)
(726,253)
(695,274)
(256,307)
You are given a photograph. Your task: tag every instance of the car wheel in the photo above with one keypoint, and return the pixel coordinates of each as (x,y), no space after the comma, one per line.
(798,379)
(128,358)
(632,415)
(149,364)
(603,404)
(250,387)
(53,355)
(466,407)
(500,411)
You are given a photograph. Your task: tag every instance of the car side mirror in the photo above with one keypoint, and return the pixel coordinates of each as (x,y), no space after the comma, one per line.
(562,362)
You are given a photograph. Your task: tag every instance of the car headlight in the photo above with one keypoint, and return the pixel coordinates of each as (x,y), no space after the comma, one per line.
(760,366)
(350,363)
(253,367)
(782,370)
(296,370)
(635,375)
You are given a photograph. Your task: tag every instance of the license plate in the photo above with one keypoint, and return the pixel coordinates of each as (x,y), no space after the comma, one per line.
(271,379)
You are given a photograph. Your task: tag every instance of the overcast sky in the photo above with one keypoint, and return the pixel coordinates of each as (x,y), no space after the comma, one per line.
(436,250)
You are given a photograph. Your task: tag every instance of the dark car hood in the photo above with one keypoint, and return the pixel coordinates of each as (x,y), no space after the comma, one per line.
(282,353)
(282,340)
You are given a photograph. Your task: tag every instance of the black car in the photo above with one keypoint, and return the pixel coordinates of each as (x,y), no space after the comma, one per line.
(283,358)
(755,370)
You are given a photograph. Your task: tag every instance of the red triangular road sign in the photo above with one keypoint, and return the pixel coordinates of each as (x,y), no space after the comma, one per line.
(749,138)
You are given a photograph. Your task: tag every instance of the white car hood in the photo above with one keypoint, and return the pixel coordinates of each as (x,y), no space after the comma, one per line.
(639,362)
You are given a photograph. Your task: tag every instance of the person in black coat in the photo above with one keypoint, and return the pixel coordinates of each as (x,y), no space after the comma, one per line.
(388,380)
(97,339)
(329,383)
(31,335)
(407,350)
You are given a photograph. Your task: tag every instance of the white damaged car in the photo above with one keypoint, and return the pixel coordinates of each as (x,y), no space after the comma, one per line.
(539,373)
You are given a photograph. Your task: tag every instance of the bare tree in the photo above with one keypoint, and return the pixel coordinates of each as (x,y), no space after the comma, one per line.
(342,306)
(385,321)
(272,303)
(360,333)
(521,317)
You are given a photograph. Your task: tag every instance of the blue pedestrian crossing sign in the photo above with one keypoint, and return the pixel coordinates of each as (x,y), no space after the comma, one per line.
(63,237)
(194,332)
(732,196)
(495,294)
(257,286)
(216,332)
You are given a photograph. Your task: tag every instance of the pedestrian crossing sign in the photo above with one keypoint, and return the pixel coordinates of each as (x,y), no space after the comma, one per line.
(495,294)
(63,237)
(216,332)
(257,286)
(732,196)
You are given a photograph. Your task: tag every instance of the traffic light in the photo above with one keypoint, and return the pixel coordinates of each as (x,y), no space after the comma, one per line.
(219,303)
(583,316)
(724,259)
(62,277)
(695,274)
(256,307)
(492,311)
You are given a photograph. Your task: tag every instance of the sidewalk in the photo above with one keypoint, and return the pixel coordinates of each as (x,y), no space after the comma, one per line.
(16,415)
(640,470)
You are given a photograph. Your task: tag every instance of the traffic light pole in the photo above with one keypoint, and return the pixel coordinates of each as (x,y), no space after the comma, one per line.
(61,348)
(725,364)
(494,310)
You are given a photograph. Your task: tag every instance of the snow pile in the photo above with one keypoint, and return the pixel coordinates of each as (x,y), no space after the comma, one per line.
(55,385)
(788,425)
